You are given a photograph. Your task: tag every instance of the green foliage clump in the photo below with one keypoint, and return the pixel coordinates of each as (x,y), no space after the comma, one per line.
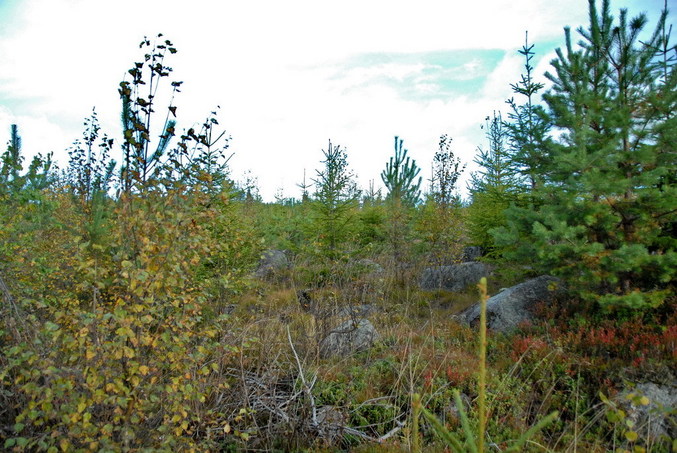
(105,342)
(122,361)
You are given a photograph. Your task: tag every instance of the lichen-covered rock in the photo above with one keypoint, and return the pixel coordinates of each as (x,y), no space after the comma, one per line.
(507,309)
(657,419)
(272,262)
(351,336)
(456,277)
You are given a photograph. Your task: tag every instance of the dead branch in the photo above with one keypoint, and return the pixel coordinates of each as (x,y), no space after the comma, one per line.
(307,388)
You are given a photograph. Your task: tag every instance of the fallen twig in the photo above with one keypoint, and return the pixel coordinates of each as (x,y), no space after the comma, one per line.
(307,388)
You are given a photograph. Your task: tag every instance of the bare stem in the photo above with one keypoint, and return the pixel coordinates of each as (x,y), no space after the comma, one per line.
(483,358)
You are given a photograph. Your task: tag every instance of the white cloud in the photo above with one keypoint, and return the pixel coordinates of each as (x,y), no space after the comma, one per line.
(38,134)
(272,67)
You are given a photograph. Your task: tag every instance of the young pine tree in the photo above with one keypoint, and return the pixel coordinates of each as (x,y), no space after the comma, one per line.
(336,196)
(603,214)
(15,184)
(493,187)
(404,192)
(89,177)
(400,176)
(527,126)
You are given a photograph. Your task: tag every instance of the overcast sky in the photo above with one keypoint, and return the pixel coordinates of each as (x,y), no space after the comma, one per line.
(288,75)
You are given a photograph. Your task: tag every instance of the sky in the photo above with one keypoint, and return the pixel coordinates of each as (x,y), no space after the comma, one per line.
(288,76)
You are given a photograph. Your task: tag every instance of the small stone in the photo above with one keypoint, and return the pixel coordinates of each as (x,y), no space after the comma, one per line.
(349,337)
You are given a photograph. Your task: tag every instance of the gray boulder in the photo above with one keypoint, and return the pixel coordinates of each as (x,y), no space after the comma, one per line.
(454,278)
(657,420)
(507,309)
(272,262)
(351,336)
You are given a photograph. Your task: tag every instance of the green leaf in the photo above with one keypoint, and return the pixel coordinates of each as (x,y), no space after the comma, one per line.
(631,436)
